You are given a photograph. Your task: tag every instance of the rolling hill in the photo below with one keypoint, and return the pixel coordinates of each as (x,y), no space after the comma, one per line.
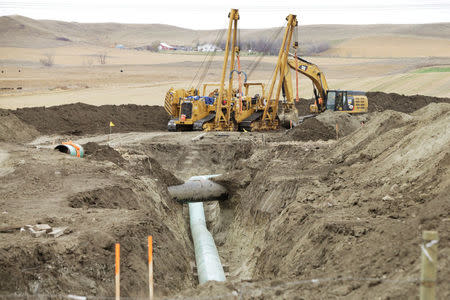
(341,40)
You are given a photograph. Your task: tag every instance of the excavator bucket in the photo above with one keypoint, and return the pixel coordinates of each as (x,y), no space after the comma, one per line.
(288,117)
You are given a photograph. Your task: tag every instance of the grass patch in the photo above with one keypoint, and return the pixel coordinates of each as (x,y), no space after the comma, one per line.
(433,70)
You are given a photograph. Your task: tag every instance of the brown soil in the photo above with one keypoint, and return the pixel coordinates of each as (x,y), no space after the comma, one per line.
(80,118)
(12,129)
(310,130)
(101,203)
(107,197)
(96,151)
(348,212)
(379,101)
(303,106)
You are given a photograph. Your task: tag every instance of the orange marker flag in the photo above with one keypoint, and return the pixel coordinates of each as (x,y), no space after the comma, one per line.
(117,271)
(150,248)
(150,267)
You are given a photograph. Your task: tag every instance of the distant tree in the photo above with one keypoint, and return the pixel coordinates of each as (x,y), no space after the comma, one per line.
(47,60)
(153,47)
(102,58)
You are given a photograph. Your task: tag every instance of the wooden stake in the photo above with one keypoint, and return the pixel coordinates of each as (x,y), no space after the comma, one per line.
(150,267)
(117,271)
(429,265)
(337,131)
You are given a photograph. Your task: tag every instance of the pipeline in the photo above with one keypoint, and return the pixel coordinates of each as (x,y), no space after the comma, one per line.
(71,148)
(207,258)
(200,188)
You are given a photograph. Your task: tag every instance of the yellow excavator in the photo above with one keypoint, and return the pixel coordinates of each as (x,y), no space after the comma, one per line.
(336,100)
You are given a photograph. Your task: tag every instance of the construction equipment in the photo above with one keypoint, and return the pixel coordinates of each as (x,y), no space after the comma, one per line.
(229,109)
(224,108)
(325,99)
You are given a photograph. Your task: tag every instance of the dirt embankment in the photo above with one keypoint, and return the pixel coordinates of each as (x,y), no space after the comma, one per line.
(12,129)
(80,118)
(101,203)
(330,125)
(379,101)
(310,130)
(345,211)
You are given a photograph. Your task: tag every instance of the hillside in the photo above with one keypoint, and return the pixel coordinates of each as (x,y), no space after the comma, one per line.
(19,31)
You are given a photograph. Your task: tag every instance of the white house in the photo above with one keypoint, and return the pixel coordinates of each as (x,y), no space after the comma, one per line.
(208,48)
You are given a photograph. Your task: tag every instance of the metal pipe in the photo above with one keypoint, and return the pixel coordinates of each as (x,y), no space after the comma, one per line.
(72,149)
(209,267)
(198,188)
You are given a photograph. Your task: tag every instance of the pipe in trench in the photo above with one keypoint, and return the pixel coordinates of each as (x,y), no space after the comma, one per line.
(207,258)
(200,188)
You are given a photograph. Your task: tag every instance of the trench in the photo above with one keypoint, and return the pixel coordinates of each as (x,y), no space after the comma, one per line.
(202,159)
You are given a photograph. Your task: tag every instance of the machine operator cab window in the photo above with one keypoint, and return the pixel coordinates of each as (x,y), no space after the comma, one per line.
(337,100)
(331,100)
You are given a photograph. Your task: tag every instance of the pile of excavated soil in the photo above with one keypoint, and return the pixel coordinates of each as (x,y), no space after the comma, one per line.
(379,101)
(303,106)
(310,130)
(344,123)
(96,151)
(149,166)
(12,129)
(139,165)
(80,118)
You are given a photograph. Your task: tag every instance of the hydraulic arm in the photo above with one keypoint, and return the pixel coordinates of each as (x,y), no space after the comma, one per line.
(313,72)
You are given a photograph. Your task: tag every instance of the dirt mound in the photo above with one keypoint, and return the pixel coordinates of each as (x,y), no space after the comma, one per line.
(303,106)
(310,130)
(12,129)
(80,118)
(346,123)
(151,167)
(102,152)
(108,197)
(379,101)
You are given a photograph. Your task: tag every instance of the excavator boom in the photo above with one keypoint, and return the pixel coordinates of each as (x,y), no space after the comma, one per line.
(311,71)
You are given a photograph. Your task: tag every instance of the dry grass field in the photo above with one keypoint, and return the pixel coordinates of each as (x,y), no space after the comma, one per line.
(366,57)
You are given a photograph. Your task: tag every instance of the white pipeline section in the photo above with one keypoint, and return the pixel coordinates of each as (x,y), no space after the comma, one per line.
(198,188)
(207,258)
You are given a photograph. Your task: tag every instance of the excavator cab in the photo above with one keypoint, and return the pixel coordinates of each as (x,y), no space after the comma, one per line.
(348,101)
(337,100)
